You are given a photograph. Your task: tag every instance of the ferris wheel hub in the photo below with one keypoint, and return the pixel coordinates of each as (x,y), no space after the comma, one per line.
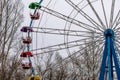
(109,32)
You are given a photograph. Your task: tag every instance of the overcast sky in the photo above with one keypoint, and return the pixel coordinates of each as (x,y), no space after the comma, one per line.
(47,21)
(63,7)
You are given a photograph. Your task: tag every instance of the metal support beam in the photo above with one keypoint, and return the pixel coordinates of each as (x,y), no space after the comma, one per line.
(109,58)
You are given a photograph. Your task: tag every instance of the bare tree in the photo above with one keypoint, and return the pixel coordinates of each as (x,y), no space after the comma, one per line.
(10,20)
(84,67)
(90,60)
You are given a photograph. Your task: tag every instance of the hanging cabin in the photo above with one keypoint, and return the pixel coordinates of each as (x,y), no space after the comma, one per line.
(34,5)
(25,54)
(35,16)
(26,29)
(27,40)
(36,77)
(26,65)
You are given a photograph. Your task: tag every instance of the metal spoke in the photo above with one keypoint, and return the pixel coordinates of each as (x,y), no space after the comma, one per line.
(65,32)
(103,8)
(84,15)
(61,46)
(117,18)
(66,18)
(96,14)
(67,59)
(89,43)
(112,13)
(118,51)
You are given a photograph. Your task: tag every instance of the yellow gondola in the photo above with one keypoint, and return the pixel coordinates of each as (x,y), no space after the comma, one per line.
(36,77)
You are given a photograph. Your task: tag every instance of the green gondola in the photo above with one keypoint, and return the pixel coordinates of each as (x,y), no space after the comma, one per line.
(34,5)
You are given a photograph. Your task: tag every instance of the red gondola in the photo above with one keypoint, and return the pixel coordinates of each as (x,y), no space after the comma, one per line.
(36,16)
(26,65)
(27,40)
(25,54)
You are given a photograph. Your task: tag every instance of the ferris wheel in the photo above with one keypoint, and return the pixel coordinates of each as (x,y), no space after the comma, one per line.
(81,28)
